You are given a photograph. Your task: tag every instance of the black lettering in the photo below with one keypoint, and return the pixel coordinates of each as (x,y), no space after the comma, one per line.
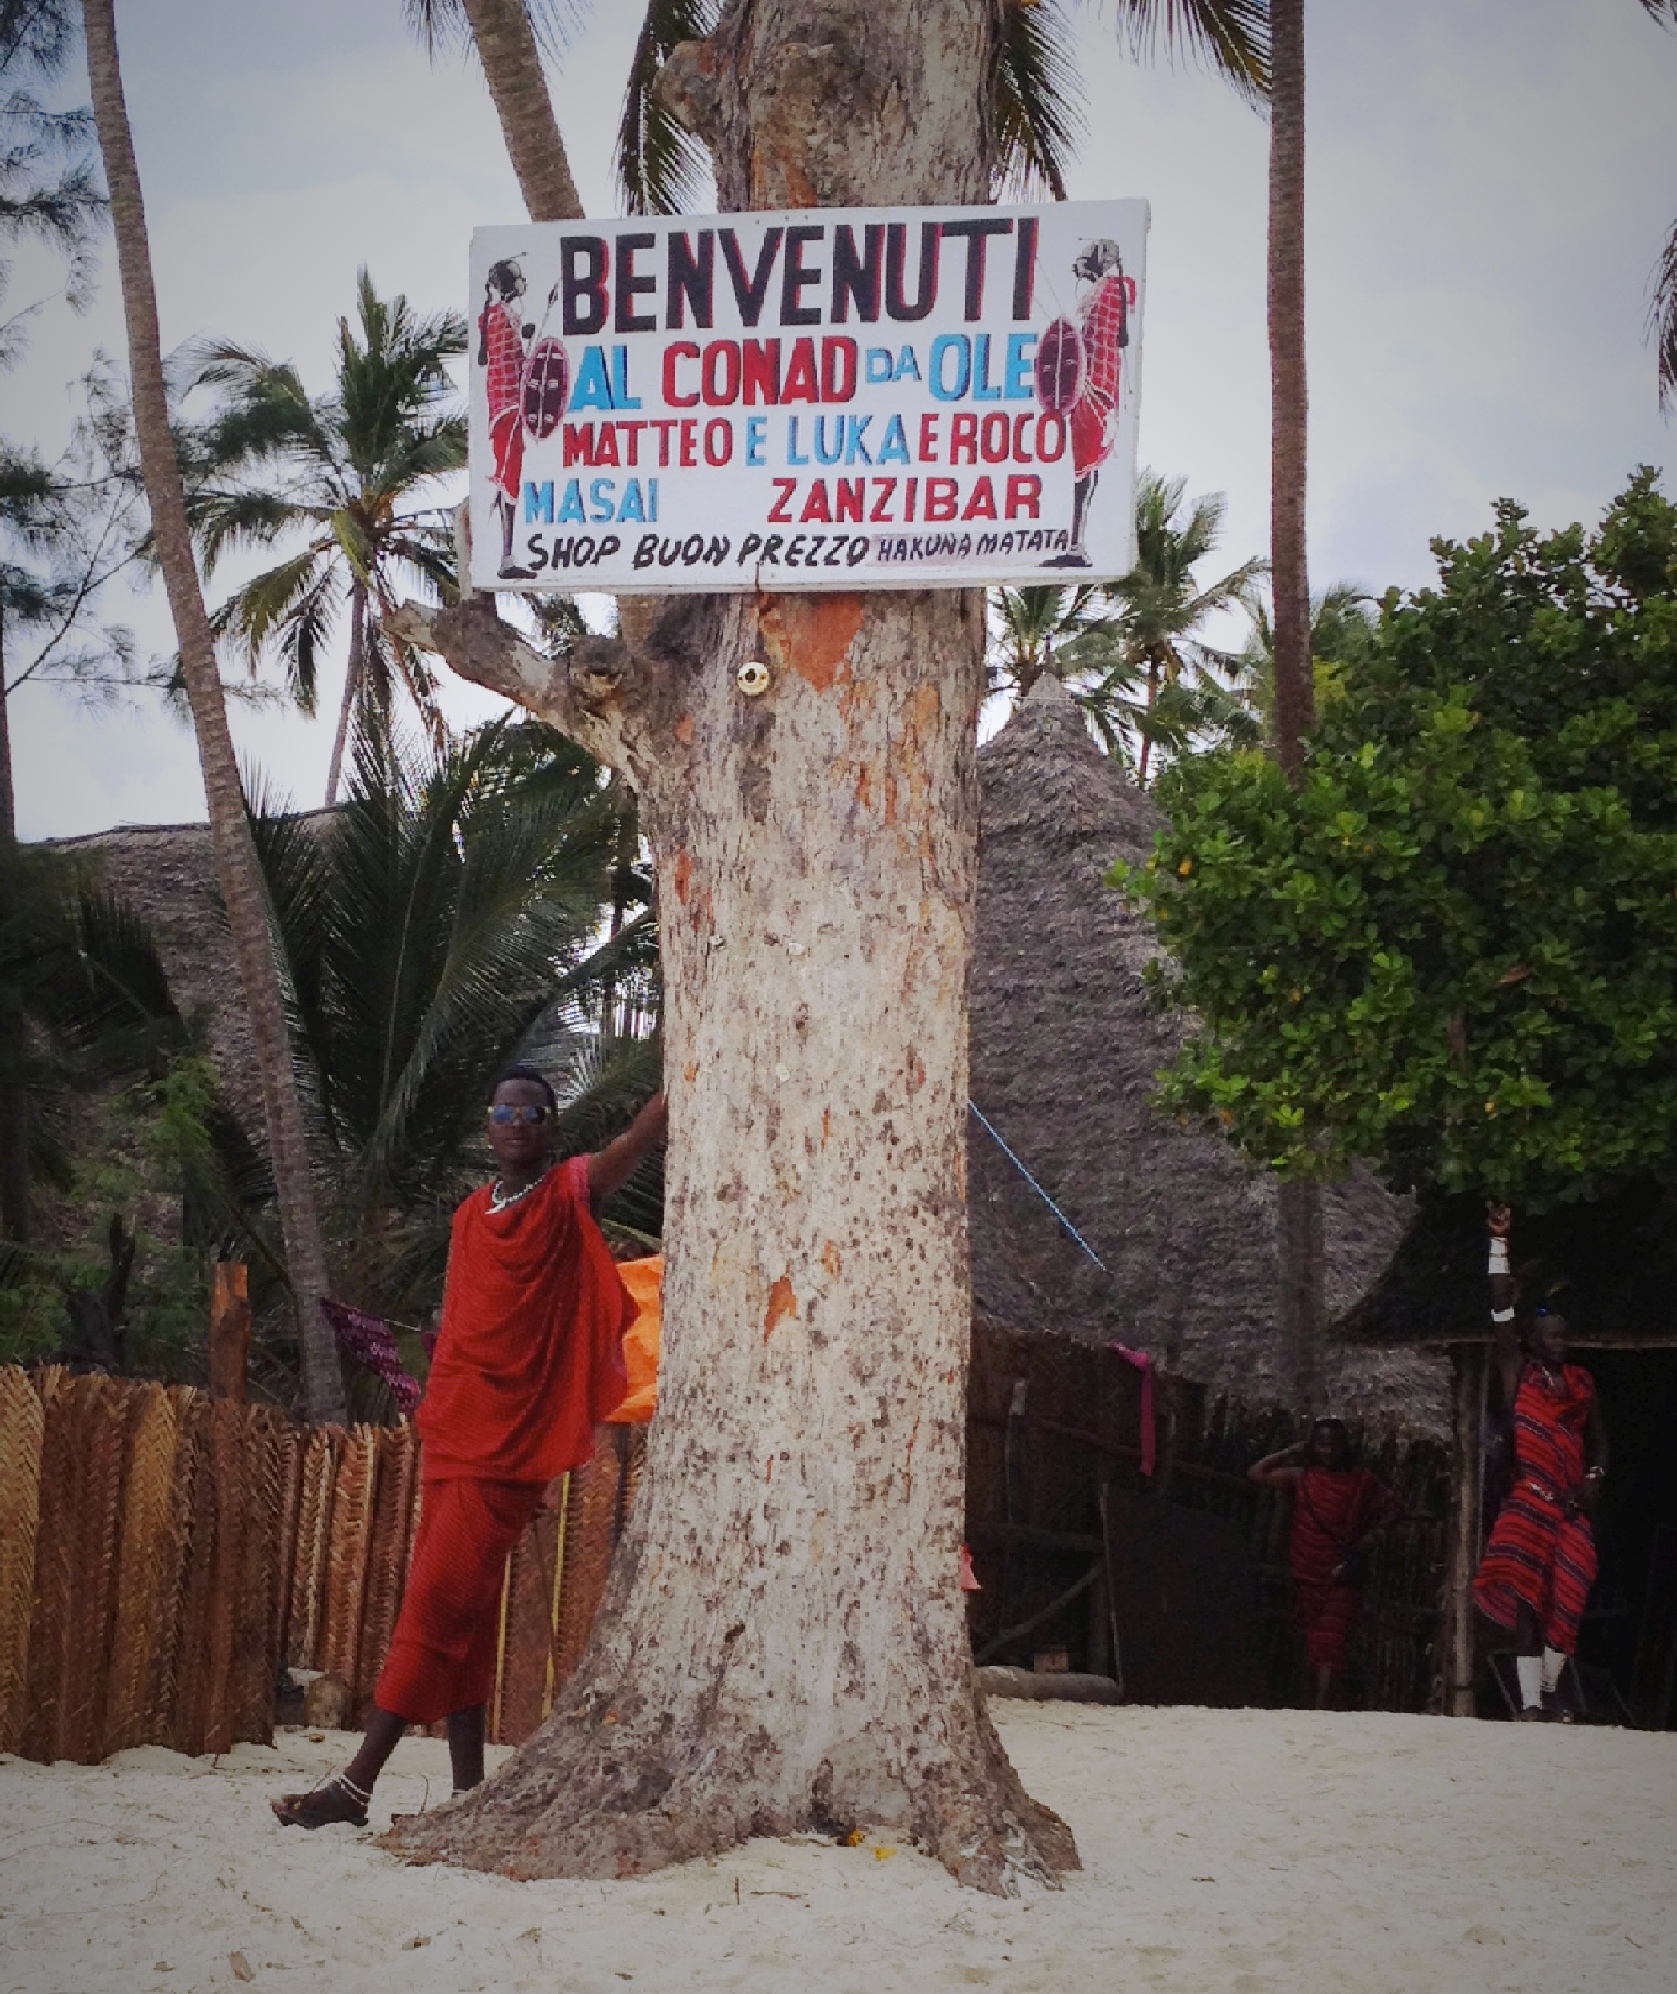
(856,279)
(858,551)
(978,233)
(583,263)
(692,550)
(749,293)
(629,285)
(816,542)
(896,240)
(832,559)
(749,546)
(794,278)
(609,545)
(646,548)
(690,277)
(1024,267)
(717,552)
(795,549)
(771,547)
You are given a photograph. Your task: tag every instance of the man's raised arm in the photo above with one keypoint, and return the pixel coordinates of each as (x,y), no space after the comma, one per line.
(609,1169)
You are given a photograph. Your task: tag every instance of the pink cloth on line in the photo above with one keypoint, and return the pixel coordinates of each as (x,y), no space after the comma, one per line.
(1149,1438)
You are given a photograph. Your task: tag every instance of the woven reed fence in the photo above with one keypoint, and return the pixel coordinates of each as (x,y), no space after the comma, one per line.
(163,1555)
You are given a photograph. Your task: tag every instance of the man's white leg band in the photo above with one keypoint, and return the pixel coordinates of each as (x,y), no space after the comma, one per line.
(1553,1663)
(1529,1668)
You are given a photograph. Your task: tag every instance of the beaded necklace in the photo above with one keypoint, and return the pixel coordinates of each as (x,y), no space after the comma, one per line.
(500,1201)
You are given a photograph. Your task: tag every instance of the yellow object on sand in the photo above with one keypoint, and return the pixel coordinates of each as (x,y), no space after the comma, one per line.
(645,1281)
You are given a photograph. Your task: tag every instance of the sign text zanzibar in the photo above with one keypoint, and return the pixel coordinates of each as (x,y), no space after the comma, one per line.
(838,398)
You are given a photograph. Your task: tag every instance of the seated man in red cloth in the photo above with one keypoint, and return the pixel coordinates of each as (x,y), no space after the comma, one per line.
(1540,1562)
(529,1359)
(1337,1510)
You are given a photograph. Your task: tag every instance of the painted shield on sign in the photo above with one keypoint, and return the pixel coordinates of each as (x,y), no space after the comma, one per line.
(1061,366)
(546,381)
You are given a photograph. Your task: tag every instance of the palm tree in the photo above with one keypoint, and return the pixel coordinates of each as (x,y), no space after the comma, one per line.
(1341,624)
(345,471)
(235,852)
(1662,312)
(451,903)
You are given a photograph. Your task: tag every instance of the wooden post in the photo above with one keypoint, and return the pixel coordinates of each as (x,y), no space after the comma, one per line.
(1467,1362)
(229,1329)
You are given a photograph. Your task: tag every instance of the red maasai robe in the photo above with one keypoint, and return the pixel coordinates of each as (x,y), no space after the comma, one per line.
(503,344)
(1332,1509)
(1093,428)
(528,1361)
(1539,1554)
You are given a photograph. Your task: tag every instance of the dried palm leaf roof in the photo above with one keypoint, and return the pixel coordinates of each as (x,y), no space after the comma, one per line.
(1065,1047)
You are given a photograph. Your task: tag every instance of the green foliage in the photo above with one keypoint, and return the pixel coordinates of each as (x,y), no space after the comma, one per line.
(1454,952)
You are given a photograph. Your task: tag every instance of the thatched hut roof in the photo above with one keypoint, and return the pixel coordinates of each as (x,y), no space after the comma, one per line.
(1065,1047)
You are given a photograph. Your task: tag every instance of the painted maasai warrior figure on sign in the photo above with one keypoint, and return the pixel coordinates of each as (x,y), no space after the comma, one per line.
(1337,1511)
(502,335)
(528,1361)
(1540,1562)
(1079,375)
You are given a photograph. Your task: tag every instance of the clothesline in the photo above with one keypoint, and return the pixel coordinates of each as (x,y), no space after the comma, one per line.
(996,1137)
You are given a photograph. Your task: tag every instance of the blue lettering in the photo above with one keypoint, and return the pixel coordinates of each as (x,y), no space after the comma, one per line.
(878,362)
(908,368)
(894,450)
(620,395)
(652,500)
(1017,381)
(632,507)
(823,452)
(602,497)
(571,507)
(854,447)
(538,503)
(793,454)
(756,437)
(592,389)
(981,388)
(960,346)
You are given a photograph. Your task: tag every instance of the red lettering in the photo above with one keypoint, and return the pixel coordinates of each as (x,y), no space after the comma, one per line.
(963,435)
(838,369)
(1050,428)
(605,444)
(719,440)
(681,349)
(848,498)
(941,494)
(579,443)
(762,371)
(663,424)
(928,439)
(778,512)
(631,433)
(913,487)
(689,445)
(994,438)
(885,487)
(815,506)
(982,504)
(800,384)
(719,375)
(1024,495)
(1020,454)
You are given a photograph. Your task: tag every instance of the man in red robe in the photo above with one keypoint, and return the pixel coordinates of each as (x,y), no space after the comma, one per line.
(501,336)
(528,1361)
(1103,316)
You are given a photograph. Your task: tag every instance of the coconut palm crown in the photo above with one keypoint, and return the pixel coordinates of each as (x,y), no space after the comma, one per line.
(348,474)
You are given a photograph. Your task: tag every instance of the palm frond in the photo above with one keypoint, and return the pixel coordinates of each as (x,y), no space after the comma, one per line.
(1036,100)
(1230,37)
(660,165)
(1662,313)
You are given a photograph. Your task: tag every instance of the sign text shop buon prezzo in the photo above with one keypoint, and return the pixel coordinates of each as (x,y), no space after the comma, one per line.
(829,398)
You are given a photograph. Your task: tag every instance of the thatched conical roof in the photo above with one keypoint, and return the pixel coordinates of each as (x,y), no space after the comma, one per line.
(1065,1047)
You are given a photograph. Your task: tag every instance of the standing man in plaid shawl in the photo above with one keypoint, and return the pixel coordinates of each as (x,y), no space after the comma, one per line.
(1103,315)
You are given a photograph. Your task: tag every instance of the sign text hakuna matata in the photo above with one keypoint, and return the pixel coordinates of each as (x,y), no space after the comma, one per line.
(830,398)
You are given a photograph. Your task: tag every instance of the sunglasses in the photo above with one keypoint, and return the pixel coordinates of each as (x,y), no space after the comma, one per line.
(505,1113)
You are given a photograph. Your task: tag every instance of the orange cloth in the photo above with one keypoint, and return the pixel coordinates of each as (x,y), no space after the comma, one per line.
(645,1281)
(529,1358)
(442,1655)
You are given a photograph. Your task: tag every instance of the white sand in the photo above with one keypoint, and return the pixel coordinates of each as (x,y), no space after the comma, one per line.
(1246,1851)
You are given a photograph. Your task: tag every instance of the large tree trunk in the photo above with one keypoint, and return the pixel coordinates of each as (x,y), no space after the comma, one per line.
(1295,692)
(783,1645)
(14,1102)
(235,854)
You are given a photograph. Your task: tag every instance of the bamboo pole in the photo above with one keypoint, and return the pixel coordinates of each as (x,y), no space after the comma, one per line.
(229,1330)
(1462,1553)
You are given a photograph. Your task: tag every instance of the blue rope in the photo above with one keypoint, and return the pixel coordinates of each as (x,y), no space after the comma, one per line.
(996,1137)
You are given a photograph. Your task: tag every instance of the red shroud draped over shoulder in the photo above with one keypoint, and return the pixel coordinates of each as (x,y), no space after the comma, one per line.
(1541,1551)
(530,1355)
(1332,1509)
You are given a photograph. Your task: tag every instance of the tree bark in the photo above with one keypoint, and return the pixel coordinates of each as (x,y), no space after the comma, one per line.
(783,1644)
(235,854)
(1295,692)
(512,67)
(354,672)
(15,1214)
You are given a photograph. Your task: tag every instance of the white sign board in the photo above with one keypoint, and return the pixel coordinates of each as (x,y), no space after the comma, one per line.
(826,398)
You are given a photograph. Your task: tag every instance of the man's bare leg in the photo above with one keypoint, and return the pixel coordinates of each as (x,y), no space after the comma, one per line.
(465,1748)
(1528,1663)
(1324,1686)
(344,1796)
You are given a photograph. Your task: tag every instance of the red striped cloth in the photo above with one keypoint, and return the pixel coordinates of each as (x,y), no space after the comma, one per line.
(442,1655)
(1333,1509)
(1542,1552)
(1093,430)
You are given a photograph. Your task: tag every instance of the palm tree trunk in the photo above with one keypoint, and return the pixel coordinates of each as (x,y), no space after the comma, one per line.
(512,67)
(8,799)
(235,854)
(1147,739)
(1295,701)
(353,676)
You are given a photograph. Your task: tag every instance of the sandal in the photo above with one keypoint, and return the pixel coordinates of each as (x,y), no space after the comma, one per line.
(335,1802)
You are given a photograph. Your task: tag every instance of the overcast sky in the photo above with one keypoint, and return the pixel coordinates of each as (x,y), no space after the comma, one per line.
(1489,185)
